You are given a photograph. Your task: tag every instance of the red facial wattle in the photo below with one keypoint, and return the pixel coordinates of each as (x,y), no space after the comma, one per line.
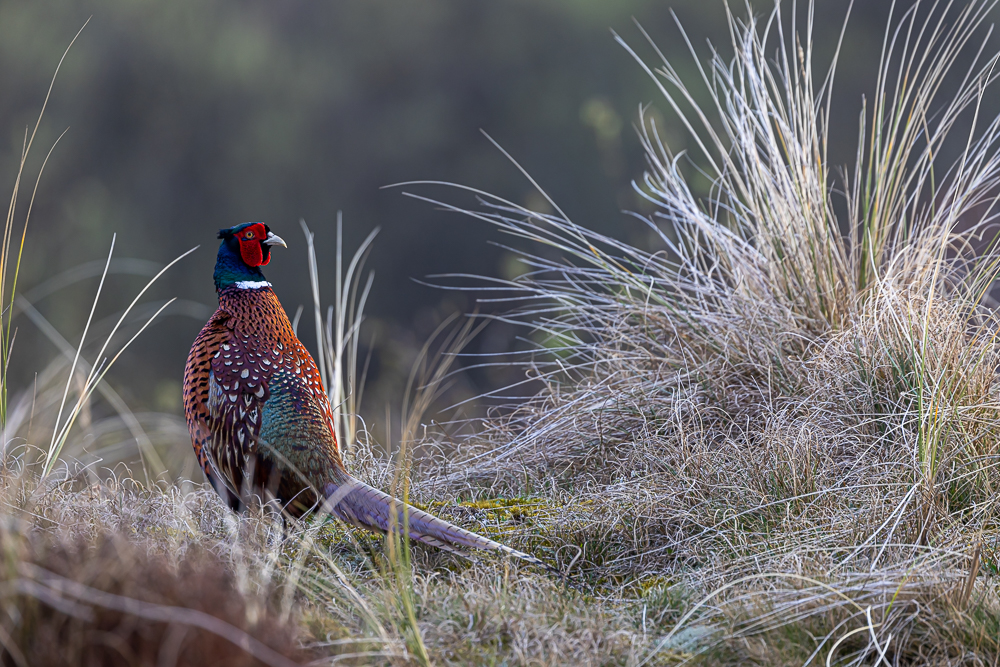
(252,247)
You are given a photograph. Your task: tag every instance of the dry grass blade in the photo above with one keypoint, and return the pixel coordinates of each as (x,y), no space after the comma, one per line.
(6,335)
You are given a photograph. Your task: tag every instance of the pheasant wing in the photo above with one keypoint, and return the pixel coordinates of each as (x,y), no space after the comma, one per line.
(197,381)
(237,392)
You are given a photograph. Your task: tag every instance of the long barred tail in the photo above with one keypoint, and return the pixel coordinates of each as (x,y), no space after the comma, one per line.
(361,505)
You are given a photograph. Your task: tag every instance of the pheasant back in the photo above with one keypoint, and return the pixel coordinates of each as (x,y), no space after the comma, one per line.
(260,419)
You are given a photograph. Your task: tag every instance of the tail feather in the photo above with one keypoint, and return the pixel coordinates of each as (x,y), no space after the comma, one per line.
(361,505)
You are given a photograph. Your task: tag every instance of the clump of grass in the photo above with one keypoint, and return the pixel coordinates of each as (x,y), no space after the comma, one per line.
(789,410)
(104,600)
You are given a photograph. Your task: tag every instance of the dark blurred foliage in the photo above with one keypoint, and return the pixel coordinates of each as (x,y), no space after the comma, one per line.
(191,115)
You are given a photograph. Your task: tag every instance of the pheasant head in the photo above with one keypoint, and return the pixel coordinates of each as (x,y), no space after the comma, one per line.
(244,249)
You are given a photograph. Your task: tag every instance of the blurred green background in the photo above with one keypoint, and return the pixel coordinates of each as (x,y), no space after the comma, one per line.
(191,115)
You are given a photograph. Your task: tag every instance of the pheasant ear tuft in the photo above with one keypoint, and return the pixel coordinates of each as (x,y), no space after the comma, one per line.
(225,233)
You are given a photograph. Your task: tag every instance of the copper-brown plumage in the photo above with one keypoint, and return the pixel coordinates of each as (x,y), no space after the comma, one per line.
(260,420)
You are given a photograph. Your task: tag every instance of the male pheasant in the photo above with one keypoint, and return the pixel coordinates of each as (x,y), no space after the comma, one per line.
(260,420)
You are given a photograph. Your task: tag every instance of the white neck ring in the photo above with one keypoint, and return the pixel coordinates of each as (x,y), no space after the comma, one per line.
(251,284)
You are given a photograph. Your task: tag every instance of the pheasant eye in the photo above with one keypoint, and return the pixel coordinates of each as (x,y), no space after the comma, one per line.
(249,235)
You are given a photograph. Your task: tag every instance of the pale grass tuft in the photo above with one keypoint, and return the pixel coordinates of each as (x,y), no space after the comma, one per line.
(788,415)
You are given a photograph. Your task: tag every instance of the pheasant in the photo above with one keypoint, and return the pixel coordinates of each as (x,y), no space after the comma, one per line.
(260,420)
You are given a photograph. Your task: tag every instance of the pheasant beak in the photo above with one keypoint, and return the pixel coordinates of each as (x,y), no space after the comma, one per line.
(274,239)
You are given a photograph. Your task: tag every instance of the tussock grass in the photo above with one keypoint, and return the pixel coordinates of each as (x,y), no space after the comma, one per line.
(771,440)
(789,412)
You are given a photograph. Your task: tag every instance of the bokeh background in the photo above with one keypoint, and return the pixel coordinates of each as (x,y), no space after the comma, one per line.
(191,115)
